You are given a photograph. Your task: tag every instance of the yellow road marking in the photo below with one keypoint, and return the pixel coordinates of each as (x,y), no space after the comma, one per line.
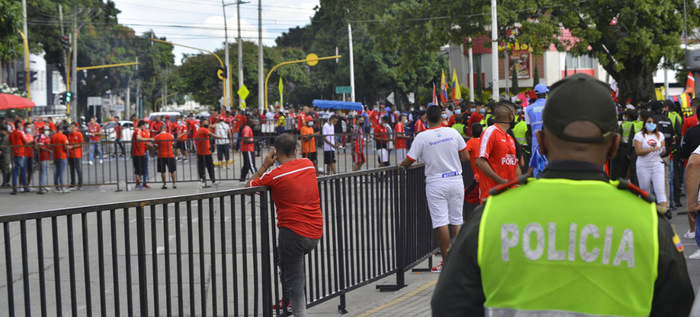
(399,300)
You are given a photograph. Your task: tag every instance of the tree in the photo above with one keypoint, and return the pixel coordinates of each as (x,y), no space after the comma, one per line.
(628,37)
(11,18)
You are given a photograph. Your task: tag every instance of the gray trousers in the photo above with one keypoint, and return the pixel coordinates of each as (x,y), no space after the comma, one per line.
(292,248)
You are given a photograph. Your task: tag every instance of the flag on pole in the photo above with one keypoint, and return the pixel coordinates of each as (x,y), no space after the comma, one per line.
(690,85)
(456,92)
(281,88)
(434,95)
(443,88)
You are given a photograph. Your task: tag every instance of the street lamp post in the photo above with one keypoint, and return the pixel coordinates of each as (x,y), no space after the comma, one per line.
(311,59)
(227,82)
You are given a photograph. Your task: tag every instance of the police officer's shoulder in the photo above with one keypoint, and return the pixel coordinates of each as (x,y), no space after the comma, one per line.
(522,180)
(623,184)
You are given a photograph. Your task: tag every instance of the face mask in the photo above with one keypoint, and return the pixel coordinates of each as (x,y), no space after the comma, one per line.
(46,133)
(205,125)
(444,116)
(311,124)
(411,110)
(650,126)
(458,112)
(482,111)
(28,130)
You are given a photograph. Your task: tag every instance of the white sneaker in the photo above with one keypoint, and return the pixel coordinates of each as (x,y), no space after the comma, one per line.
(100,161)
(91,163)
(202,185)
(695,256)
(689,235)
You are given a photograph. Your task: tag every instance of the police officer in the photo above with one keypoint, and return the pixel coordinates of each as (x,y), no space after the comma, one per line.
(533,118)
(570,243)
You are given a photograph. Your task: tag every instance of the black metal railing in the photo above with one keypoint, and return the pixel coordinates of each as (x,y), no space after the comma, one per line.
(210,254)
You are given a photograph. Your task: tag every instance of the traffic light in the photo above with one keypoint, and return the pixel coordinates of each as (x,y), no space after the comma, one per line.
(66,43)
(221,73)
(62,98)
(21,80)
(69,96)
(32,76)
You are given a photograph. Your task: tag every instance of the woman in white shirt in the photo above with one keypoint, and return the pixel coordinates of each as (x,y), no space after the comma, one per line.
(649,145)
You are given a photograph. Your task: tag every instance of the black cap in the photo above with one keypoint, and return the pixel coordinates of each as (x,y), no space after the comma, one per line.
(580,97)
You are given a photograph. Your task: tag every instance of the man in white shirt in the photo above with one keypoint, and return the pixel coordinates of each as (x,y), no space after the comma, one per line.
(442,149)
(329,145)
(222,145)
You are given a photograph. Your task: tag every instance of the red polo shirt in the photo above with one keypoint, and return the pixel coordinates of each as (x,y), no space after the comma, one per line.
(59,141)
(294,190)
(76,138)
(202,141)
(16,139)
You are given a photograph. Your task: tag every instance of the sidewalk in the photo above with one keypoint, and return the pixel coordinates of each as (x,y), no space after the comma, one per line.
(367,301)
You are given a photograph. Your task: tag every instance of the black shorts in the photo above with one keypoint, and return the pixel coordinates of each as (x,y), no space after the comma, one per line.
(139,164)
(180,145)
(312,156)
(166,161)
(328,157)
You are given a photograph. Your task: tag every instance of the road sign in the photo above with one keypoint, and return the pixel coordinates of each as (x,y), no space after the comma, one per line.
(343,90)
(243,94)
(221,73)
(312,59)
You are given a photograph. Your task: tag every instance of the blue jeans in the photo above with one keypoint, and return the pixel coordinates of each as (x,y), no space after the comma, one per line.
(94,146)
(44,170)
(19,169)
(292,248)
(59,167)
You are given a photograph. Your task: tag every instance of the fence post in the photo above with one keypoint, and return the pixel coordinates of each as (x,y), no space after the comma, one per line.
(400,216)
(265,242)
(141,259)
(340,244)
(116,158)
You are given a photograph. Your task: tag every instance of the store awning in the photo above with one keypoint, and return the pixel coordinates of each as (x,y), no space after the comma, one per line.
(342,105)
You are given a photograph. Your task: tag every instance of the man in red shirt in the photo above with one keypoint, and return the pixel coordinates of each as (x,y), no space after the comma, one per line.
(29,152)
(247,151)
(94,131)
(43,141)
(140,140)
(497,157)
(19,170)
(374,116)
(155,125)
(401,138)
(239,121)
(476,116)
(358,153)
(294,190)
(164,142)
(118,130)
(420,123)
(204,159)
(59,145)
(471,194)
(181,135)
(75,155)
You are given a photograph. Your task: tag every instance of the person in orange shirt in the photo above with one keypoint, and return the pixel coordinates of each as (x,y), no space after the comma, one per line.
(471,194)
(204,158)
(401,138)
(308,142)
(44,150)
(59,145)
(75,155)
(247,150)
(166,158)
(29,152)
(18,141)
(140,139)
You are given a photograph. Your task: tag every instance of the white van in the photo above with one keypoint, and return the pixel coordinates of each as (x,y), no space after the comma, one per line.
(172,115)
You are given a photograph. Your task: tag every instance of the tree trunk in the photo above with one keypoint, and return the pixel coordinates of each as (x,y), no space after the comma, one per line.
(636,83)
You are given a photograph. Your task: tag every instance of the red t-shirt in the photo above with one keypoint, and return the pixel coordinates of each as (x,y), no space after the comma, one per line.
(75,138)
(139,147)
(16,139)
(29,151)
(474,118)
(420,126)
(300,122)
(43,141)
(94,130)
(400,143)
(38,125)
(294,189)
(498,148)
(374,117)
(238,122)
(181,131)
(688,123)
(59,141)
(451,121)
(155,127)
(165,145)
(202,141)
(473,149)
(245,146)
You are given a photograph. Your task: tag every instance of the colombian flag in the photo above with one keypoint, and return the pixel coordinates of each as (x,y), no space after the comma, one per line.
(443,88)
(456,92)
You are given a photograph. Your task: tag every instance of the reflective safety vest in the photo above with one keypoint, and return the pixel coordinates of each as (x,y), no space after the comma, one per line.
(625,126)
(460,128)
(519,131)
(673,116)
(484,122)
(559,247)
(638,125)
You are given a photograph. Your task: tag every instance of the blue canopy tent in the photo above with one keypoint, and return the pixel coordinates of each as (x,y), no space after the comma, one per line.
(342,105)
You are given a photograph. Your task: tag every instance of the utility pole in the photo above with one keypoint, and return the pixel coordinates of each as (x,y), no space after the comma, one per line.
(24,18)
(261,78)
(137,110)
(471,72)
(240,52)
(352,66)
(494,49)
(74,72)
(227,82)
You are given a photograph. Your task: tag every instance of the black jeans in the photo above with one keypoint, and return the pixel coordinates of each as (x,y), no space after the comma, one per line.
(75,168)
(248,164)
(292,248)
(205,161)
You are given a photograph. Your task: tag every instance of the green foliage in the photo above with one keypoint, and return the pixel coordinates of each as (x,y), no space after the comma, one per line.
(629,50)
(10,25)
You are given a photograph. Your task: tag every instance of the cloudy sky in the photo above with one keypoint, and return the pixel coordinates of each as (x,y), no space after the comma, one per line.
(200,23)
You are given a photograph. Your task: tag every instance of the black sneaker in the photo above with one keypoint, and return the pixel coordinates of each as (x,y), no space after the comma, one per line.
(174,186)
(164,187)
(668,215)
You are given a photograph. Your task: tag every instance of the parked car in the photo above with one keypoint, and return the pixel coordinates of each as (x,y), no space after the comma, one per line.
(111,135)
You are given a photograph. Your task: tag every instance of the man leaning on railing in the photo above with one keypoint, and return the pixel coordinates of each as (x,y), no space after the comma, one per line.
(294,190)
